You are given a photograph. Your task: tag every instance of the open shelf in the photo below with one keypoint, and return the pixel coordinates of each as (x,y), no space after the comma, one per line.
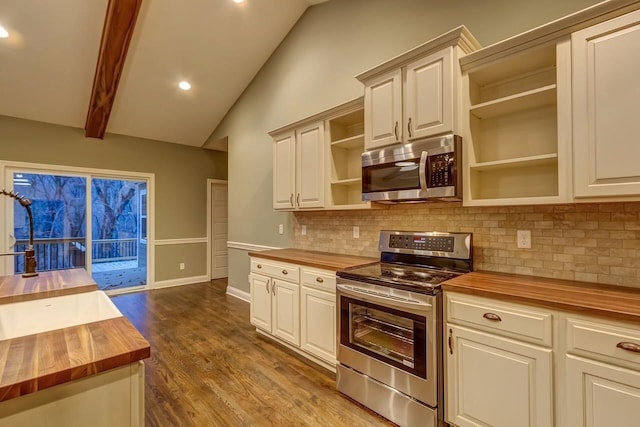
(356,141)
(521,101)
(545,159)
(349,181)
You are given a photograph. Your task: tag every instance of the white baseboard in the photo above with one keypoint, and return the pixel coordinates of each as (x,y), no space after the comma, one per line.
(181,281)
(240,294)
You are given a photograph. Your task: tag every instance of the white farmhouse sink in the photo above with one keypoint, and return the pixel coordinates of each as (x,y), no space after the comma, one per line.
(47,314)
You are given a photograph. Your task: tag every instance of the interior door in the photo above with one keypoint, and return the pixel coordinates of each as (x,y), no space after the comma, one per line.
(219,229)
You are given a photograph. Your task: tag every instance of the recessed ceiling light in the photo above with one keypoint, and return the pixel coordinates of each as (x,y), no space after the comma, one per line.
(3,33)
(238,1)
(184,85)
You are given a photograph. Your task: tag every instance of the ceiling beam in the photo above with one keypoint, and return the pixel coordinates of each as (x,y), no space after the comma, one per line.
(119,23)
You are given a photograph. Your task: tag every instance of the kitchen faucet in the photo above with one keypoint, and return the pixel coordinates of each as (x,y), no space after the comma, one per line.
(29,255)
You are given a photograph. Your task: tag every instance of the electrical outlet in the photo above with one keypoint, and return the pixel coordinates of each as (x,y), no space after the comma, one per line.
(356,232)
(524,239)
(182,266)
(303,231)
(281,229)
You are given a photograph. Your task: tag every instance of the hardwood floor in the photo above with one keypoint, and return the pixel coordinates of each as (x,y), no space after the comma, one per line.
(208,367)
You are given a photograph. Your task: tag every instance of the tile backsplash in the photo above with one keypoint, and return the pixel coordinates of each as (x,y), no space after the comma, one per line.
(586,242)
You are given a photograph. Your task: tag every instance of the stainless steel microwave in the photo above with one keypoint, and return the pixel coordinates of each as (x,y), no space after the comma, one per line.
(424,170)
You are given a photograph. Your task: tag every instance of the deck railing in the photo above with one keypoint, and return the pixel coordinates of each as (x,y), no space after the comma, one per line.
(58,254)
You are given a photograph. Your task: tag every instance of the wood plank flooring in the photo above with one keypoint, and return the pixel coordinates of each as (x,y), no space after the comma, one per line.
(208,367)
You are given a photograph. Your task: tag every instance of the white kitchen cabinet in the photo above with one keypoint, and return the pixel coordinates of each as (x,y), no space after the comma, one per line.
(606,101)
(518,126)
(107,399)
(275,299)
(495,375)
(601,395)
(298,168)
(602,372)
(383,110)
(318,313)
(284,172)
(415,95)
(429,95)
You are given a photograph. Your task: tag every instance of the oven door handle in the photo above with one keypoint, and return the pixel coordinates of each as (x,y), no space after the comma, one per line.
(378,297)
(423,171)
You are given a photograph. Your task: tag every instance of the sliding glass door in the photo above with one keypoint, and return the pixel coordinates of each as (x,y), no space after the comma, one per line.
(81,221)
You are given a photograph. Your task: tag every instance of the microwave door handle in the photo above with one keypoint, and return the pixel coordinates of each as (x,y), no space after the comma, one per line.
(423,171)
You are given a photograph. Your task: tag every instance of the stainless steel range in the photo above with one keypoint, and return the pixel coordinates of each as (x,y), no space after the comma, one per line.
(390,325)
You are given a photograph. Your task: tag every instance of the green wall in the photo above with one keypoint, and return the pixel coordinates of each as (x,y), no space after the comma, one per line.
(181,174)
(312,70)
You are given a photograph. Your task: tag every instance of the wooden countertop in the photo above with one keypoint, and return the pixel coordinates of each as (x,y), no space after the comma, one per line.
(36,362)
(587,298)
(323,260)
(47,284)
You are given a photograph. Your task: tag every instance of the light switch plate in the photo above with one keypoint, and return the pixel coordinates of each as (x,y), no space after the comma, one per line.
(281,229)
(356,232)
(303,230)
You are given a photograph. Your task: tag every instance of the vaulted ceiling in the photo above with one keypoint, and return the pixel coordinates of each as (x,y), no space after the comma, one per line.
(48,62)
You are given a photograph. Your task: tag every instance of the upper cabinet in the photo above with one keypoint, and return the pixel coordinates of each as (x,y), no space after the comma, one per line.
(518,127)
(317,161)
(416,94)
(606,103)
(298,168)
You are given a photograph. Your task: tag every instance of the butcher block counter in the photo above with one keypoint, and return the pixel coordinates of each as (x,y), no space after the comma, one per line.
(322,260)
(36,362)
(587,298)
(45,285)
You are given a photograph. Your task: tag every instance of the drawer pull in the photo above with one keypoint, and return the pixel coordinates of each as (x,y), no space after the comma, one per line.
(319,279)
(259,265)
(629,346)
(285,272)
(492,316)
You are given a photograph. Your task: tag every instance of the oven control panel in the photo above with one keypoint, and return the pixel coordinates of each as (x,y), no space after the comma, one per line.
(422,243)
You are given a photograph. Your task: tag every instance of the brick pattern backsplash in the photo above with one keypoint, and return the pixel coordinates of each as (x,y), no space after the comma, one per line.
(586,242)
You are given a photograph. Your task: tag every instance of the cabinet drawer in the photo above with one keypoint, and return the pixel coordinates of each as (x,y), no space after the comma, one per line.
(511,320)
(604,341)
(278,270)
(320,279)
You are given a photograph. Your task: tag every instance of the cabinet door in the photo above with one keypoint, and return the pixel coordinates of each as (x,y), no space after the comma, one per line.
(497,382)
(383,110)
(318,314)
(606,101)
(260,301)
(286,311)
(601,395)
(429,96)
(284,171)
(310,166)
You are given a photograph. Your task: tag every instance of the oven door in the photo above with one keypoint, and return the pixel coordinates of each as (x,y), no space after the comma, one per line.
(389,335)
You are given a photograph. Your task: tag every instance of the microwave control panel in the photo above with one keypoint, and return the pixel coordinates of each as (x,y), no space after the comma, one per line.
(441,171)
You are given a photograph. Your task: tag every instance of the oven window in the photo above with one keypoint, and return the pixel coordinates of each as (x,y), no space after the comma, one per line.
(396,176)
(389,335)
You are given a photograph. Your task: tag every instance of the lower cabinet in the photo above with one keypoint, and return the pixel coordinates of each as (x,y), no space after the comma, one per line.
(601,395)
(513,364)
(319,323)
(296,305)
(108,399)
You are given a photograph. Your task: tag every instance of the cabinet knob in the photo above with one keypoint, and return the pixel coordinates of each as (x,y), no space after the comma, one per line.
(259,265)
(492,316)
(629,346)
(285,272)
(319,279)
